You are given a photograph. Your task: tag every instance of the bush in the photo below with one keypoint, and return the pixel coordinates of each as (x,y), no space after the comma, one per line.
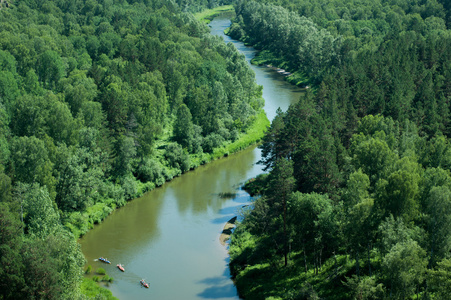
(212,141)
(129,186)
(177,157)
(101,271)
(95,279)
(107,278)
(150,170)
(88,269)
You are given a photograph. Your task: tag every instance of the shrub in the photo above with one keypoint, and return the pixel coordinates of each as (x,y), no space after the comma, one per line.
(101,271)
(107,278)
(88,269)
(212,141)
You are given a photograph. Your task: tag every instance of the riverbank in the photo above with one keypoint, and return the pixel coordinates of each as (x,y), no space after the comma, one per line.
(184,208)
(79,223)
(207,15)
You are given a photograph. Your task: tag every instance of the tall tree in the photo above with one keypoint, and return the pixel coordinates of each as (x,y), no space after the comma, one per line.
(281,185)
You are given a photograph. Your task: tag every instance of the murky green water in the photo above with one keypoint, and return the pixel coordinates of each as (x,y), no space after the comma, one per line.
(170,236)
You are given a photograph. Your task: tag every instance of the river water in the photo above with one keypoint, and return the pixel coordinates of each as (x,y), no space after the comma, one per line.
(170,236)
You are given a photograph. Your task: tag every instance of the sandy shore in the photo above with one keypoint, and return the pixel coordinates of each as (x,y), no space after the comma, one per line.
(227,231)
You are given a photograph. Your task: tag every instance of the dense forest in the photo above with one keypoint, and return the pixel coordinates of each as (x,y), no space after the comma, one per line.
(356,203)
(100,101)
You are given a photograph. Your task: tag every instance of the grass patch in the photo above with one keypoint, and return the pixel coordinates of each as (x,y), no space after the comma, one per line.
(265,57)
(207,15)
(299,79)
(253,135)
(107,278)
(93,291)
(100,271)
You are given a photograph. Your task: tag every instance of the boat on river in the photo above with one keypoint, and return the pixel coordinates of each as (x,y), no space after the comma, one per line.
(144,284)
(120,267)
(105,260)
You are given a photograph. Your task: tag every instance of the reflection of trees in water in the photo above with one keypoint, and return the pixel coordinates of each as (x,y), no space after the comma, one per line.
(127,230)
(210,185)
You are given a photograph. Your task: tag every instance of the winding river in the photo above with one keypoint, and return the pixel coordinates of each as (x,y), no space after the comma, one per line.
(170,236)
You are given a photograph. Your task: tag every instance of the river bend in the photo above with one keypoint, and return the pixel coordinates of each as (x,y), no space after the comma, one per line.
(170,236)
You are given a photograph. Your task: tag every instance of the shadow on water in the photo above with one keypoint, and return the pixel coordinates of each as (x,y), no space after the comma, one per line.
(219,287)
(218,291)
(226,195)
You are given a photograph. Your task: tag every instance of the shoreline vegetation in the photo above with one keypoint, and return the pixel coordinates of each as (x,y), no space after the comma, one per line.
(253,135)
(207,15)
(330,220)
(270,60)
(100,104)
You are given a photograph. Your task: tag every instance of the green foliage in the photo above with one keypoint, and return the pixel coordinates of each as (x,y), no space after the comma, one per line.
(405,268)
(40,216)
(369,146)
(207,15)
(100,271)
(256,186)
(88,269)
(365,288)
(91,289)
(51,260)
(390,219)
(107,278)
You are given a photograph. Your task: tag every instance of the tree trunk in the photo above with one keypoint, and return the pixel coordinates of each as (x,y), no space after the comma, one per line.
(305,258)
(357,264)
(336,265)
(285,242)
(320,259)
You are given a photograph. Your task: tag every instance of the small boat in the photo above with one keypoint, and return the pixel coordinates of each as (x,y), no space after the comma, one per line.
(104,260)
(121,267)
(144,284)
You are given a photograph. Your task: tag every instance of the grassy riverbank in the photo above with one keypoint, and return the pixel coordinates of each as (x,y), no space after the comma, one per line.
(81,222)
(207,15)
(265,57)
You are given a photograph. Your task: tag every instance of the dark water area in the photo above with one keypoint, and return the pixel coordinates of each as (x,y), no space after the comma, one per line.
(170,236)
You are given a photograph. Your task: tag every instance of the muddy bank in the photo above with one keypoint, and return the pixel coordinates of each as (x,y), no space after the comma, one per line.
(227,231)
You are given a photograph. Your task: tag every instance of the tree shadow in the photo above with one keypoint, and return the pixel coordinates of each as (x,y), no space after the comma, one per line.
(220,287)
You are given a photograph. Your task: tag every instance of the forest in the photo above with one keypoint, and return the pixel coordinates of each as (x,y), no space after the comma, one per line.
(101,101)
(356,200)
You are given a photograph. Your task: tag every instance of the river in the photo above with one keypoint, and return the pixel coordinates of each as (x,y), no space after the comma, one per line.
(170,236)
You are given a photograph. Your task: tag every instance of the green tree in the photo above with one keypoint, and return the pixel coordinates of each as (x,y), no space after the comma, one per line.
(79,178)
(41,217)
(439,279)
(184,128)
(398,194)
(405,268)
(77,89)
(125,155)
(281,185)
(11,276)
(439,223)
(50,68)
(365,288)
(312,218)
(31,163)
